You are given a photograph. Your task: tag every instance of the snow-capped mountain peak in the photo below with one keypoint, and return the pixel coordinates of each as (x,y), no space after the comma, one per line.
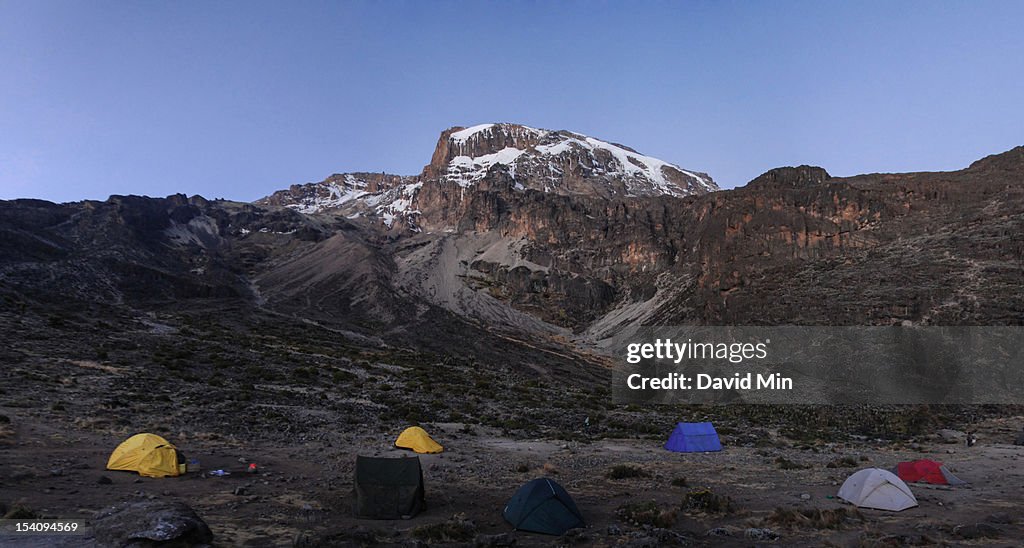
(520,157)
(530,155)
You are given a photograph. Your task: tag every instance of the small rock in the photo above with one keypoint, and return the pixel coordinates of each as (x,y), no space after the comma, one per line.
(240,491)
(718,532)
(977,530)
(761,533)
(1001,518)
(150,523)
(104,480)
(805,496)
(950,436)
(501,539)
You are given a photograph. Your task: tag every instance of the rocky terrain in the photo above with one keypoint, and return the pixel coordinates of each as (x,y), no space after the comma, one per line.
(478,298)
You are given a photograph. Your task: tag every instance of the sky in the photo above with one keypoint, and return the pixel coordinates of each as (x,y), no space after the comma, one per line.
(233,99)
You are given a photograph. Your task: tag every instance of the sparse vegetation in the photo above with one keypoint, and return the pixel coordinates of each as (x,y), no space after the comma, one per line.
(814,518)
(626,471)
(787,464)
(843,462)
(647,513)
(19,511)
(455,529)
(703,499)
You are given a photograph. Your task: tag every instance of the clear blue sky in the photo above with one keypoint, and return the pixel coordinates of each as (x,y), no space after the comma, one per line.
(237,99)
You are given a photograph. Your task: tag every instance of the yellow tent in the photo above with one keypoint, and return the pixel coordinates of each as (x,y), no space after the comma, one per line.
(418,440)
(148,454)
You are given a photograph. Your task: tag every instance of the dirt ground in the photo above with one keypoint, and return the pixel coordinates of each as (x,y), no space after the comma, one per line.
(302,493)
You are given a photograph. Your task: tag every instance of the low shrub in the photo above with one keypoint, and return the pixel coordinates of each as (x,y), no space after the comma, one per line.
(702,499)
(455,529)
(814,518)
(647,513)
(626,471)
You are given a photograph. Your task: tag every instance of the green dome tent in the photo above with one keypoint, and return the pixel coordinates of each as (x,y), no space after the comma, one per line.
(543,506)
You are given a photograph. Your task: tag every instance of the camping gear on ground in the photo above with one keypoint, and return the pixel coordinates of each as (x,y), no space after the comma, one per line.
(388,488)
(543,506)
(193,465)
(927,471)
(878,489)
(418,440)
(149,455)
(694,437)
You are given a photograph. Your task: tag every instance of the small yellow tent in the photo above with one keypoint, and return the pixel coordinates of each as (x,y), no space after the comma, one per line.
(418,440)
(148,454)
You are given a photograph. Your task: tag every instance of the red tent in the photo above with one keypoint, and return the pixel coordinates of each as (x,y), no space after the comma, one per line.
(927,471)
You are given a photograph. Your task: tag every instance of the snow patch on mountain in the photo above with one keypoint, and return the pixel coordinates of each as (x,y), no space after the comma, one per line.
(338,194)
(461,136)
(548,151)
(465,170)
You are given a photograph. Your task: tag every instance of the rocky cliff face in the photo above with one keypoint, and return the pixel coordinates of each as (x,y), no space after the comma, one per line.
(493,156)
(484,238)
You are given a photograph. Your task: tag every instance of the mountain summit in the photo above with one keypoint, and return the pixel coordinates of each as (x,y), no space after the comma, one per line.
(519,157)
(559,161)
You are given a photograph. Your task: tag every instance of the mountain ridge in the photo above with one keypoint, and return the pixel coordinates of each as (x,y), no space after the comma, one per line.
(795,246)
(526,158)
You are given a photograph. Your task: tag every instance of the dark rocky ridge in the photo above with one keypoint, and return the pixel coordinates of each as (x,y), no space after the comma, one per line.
(795,246)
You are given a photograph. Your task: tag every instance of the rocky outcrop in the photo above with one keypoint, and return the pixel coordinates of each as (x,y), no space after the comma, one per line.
(151,523)
(427,257)
(493,156)
(789,177)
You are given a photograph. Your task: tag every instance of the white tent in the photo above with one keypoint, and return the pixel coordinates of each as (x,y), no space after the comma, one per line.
(877,488)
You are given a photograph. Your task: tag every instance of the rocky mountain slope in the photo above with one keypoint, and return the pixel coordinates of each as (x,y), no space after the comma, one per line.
(483,156)
(548,238)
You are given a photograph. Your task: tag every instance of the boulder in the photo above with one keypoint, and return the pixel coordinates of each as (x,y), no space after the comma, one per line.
(151,523)
(951,436)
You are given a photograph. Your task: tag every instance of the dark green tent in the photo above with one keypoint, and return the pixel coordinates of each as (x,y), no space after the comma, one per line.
(542,506)
(388,488)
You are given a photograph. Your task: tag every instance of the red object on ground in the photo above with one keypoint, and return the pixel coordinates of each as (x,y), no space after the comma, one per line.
(252,468)
(924,470)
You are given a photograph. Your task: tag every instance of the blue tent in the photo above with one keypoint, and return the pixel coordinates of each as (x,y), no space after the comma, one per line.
(693,437)
(543,506)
